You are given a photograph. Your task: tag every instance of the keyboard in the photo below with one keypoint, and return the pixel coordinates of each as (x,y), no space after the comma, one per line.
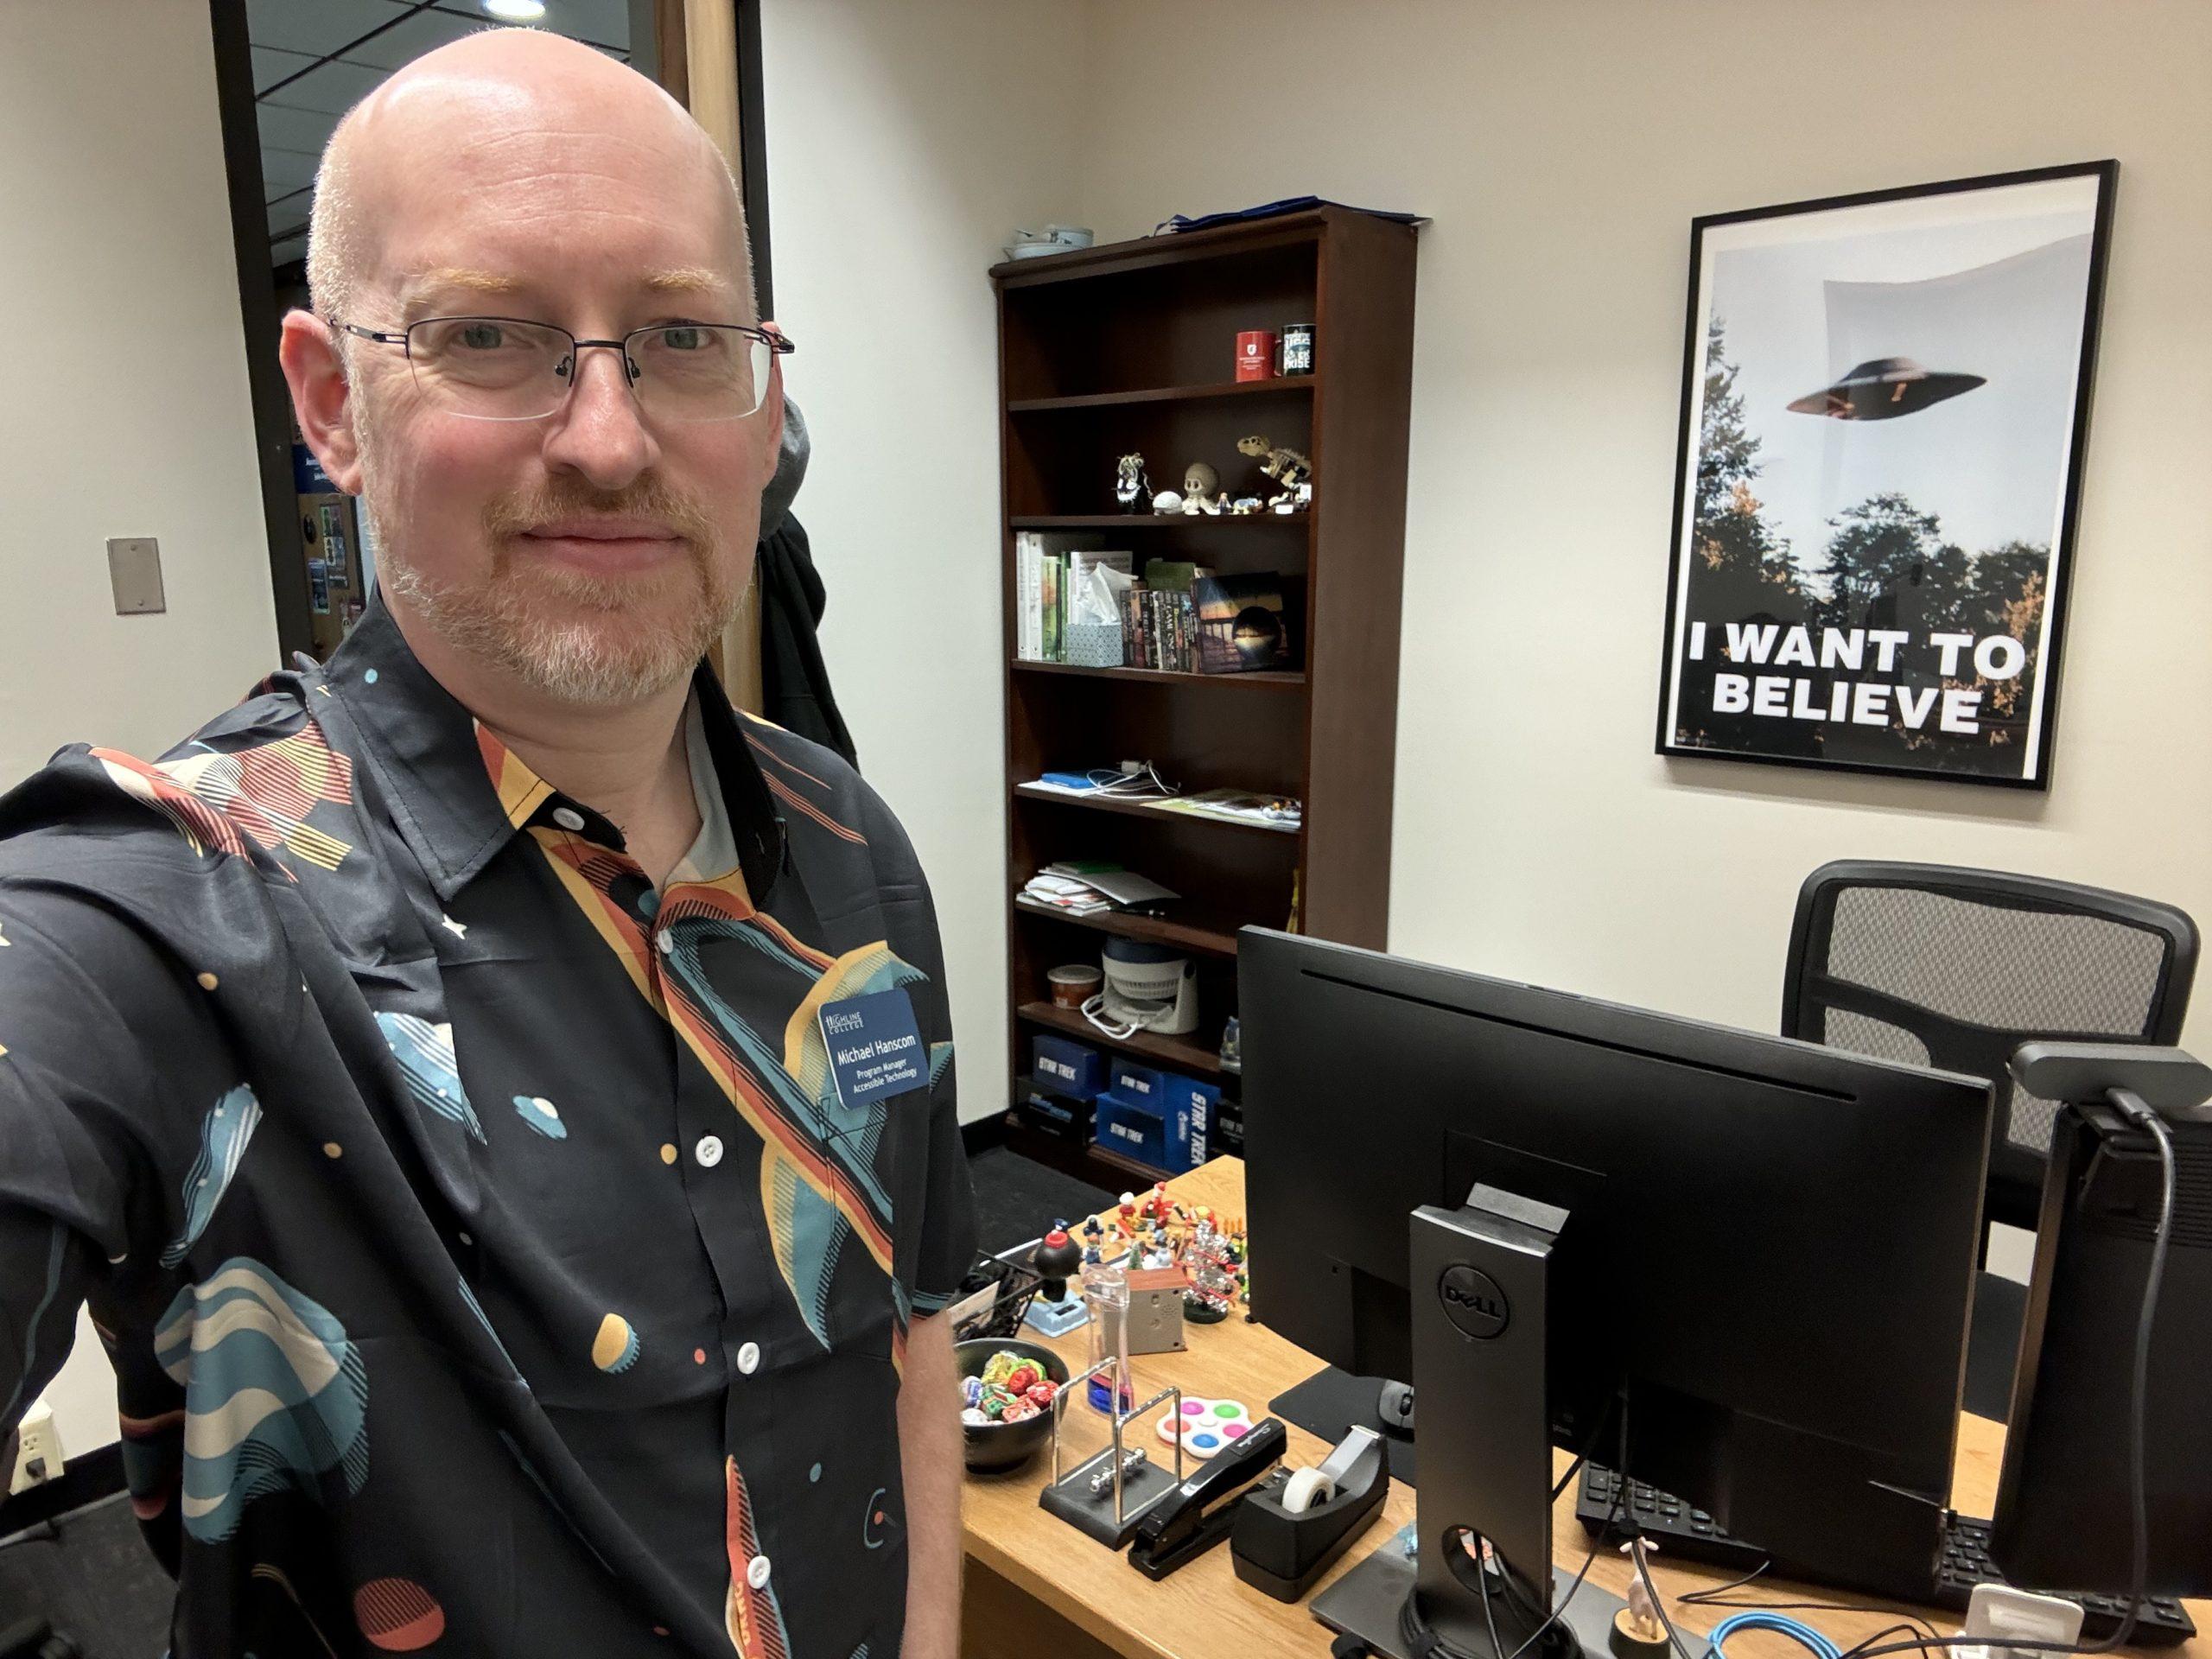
(1688,1533)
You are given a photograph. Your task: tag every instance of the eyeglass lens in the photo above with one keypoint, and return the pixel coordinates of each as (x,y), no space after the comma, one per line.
(491,368)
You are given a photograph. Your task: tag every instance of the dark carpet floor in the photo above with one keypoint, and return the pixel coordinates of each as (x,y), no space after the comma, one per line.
(1017,1198)
(95,1582)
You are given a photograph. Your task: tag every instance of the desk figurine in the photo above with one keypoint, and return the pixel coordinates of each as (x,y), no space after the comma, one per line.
(1200,484)
(1132,488)
(1287,467)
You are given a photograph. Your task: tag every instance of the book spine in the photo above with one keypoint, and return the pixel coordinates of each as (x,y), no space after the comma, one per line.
(1024,644)
(1050,608)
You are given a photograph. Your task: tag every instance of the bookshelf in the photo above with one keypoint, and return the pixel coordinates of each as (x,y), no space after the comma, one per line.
(1126,348)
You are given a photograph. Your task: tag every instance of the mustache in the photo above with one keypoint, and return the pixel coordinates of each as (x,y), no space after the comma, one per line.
(648,497)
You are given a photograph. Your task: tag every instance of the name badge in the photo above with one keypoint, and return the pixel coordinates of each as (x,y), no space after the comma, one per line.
(876,1048)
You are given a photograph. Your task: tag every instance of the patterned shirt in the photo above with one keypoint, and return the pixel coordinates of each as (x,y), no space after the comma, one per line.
(489,1259)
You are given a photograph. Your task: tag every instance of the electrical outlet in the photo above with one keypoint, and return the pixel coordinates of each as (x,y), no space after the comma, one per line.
(38,1459)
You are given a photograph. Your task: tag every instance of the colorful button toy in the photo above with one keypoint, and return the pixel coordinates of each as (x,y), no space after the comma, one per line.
(1206,1428)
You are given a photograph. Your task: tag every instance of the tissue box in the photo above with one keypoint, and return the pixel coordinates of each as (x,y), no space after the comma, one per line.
(1067,1068)
(1094,645)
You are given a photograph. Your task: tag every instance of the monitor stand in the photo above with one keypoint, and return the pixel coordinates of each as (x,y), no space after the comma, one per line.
(1480,1276)
(1330,1403)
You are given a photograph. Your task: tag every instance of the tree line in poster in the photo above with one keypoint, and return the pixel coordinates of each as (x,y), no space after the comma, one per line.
(1885,564)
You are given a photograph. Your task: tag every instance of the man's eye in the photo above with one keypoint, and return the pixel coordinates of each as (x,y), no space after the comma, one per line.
(481,337)
(682,339)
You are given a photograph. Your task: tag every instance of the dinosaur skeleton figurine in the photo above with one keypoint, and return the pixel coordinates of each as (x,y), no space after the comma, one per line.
(1287,468)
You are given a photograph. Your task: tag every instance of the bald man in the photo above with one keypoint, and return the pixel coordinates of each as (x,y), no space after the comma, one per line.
(496,1099)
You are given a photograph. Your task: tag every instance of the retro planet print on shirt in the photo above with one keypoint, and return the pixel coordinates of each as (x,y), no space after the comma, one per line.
(541,1114)
(398,1615)
(276,1396)
(224,1134)
(426,1060)
(614,1349)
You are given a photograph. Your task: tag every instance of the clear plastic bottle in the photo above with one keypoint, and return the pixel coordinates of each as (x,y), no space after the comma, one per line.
(1107,1289)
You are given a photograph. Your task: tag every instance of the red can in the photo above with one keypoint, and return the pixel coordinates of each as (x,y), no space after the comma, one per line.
(1256,354)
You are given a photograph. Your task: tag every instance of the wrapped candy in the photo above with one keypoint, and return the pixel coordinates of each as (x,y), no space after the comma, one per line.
(1042,1393)
(971,1390)
(994,1407)
(1019,1411)
(1001,1365)
(1023,1378)
(975,1419)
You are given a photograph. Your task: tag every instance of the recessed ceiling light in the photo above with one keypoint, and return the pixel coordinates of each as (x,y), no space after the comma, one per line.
(515,12)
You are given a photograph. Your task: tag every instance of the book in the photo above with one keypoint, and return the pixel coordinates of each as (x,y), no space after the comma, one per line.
(1040,595)
(1053,649)
(1240,623)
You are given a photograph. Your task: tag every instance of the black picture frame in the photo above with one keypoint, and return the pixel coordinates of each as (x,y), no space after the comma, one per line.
(1803,739)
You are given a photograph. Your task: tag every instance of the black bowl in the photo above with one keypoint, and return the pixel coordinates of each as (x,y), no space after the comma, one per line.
(997,1446)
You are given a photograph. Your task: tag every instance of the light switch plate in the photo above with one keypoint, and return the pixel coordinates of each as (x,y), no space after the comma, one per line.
(134,570)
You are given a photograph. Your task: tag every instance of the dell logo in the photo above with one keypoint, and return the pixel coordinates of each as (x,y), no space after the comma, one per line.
(1473,1301)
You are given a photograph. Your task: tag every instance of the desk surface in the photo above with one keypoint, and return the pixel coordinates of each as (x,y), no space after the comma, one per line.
(1204,1612)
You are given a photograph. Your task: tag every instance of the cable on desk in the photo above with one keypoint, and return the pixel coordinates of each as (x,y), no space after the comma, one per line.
(1802,1634)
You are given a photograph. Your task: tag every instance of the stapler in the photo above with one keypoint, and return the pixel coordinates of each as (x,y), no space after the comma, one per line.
(1191,1519)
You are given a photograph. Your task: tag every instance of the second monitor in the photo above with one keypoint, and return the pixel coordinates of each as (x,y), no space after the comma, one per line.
(1756,1256)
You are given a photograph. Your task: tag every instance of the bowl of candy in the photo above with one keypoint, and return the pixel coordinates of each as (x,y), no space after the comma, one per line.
(1006,1399)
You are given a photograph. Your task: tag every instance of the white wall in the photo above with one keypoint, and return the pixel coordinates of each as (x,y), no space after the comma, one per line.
(904,142)
(1563,150)
(125,413)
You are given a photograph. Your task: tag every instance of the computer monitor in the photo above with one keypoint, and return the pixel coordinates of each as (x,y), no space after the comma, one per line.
(2065,1506)
(1766,1260)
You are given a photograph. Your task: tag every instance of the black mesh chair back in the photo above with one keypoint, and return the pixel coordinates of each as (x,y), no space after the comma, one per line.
(1956,968)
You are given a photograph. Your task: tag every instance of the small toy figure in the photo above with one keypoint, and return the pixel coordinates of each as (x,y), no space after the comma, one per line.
(1244,505)
(1128,1211)
(1286,466)
(1200,482)
(1167,502)
(1131,487)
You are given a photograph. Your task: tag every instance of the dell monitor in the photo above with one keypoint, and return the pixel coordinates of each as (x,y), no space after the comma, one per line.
(1739,1267)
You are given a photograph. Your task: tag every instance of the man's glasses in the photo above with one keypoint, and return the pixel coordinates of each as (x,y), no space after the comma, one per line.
(504,369)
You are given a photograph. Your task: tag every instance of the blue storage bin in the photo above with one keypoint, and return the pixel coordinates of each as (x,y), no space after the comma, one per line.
(1133,1130)
(1068,1068)
(1192,1107)
(1140,1083)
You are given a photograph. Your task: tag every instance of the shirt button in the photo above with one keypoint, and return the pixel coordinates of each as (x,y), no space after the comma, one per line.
(749,1358)
(567,818)
(708,1151)
(666,944)
(756,1571)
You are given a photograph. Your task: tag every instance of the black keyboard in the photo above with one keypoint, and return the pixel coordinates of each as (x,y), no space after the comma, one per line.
(1688,1533)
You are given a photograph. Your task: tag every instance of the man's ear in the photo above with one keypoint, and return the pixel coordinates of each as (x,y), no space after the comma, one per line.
(320,396)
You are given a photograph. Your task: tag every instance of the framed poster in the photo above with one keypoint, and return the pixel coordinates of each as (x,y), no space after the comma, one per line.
(1885,404)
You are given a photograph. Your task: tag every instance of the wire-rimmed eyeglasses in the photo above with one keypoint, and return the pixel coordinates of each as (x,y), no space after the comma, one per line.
(511,369)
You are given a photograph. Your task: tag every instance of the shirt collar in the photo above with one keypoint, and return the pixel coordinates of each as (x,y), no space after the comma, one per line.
(458,794)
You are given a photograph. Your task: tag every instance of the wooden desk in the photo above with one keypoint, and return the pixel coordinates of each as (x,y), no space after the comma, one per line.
(1038,1588)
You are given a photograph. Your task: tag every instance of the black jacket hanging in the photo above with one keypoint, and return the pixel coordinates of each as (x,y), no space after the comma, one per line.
(794,680)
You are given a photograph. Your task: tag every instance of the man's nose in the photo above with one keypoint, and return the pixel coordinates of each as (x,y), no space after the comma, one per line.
(598,431)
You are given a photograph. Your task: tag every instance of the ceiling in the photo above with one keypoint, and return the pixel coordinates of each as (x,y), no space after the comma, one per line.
(312,59)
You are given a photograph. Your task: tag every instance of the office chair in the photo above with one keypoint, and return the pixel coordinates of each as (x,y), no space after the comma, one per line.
(1954,968)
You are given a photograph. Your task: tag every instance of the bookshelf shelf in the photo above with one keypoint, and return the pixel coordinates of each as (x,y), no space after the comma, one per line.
(1180,1052)
(1282,386)
(1157,318)
(1145,810)
(1149,520)
(1155,930)
(1278,679)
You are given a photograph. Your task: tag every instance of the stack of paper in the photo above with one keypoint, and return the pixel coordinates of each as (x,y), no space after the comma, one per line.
(1065,893)
(1084,887)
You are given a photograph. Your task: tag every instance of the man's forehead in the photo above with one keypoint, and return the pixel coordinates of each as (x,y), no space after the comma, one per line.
(673,281)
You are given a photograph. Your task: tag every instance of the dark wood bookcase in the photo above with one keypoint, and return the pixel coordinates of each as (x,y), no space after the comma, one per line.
(1131,346)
